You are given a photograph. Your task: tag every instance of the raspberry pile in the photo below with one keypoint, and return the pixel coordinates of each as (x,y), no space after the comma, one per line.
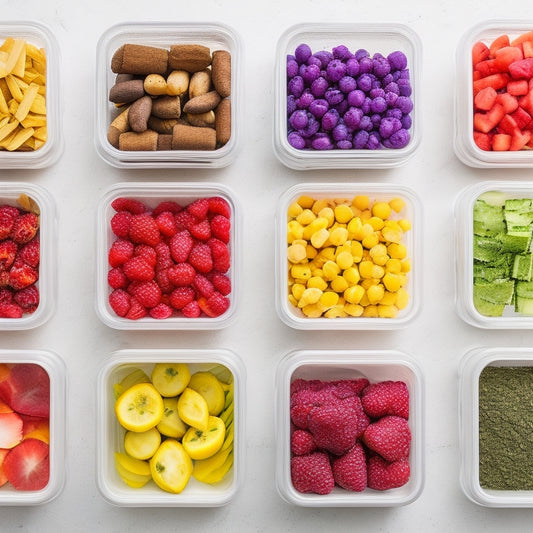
(349,433)
(170,261)
(19,261)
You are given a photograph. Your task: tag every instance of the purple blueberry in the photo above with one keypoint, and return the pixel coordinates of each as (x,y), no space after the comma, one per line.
(345,144)
(334,96)
(335,70)
(330,119)
(340,132)
(305,100)
(313,60)
(296,140)
(365,65)
(374,141)
(302,53)
(341,52)
(347,84)
(397,60)
(318,107)
(404,87)
(404,104)
(312,127)
(381,66)
(296,86)
(322,143)
(407,122)
(298,120)
(309,73)
(356,98)
(389,126)
(292,67)
(360,140)
(378,105)
(291,104)
(352,118)
(319,87)
(378,91)
(364,82)
(361,53)
(352,67)
(324,57)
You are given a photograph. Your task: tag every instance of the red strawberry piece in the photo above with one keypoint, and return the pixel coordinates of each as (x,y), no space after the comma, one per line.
(221,282)
(383,475)
(166,223)
(30,252)
(200,258)
(161,311)
(25,228)
(181,275)
(8,252)
(117,279)
(148,252)
(138,269)
(162,279)
(10,430)
(312,473)
(136,310)
(120,302)
(199,208)
(201,230)
(135,207)
(27,466)
(522,68)
(180,246)
(26,390)
(8,214)
(219,206)
(28,298)
(349,470)
(181,296)
(221,228)
(220,254)
(218,304)
(148,293)
(120,224)
(390,436)
(386,398)
(22,275)
(192,310)
(144,230)
(11,310)
(203,285)
(302,442)
(167,205)
(184,220)
(6,295)
(163,257)
(121,250)
(3,477)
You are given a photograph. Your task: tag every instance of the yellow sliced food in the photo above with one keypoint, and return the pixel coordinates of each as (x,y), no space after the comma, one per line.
(210,388)
(140,407)
(131,478)
(170,379)
(142,445)
(193,409)
(27,102)
(135,466)
(201,444)
(203,468)
(171,466)
(218,475)
(20,138)
(171,424)
(228,440)
(227,414)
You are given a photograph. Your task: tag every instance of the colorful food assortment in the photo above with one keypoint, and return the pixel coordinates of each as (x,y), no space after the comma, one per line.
(24,426)
(349,433)
(503,260)
(503,93)
(176,99)
(22,96)
(177,425)
(346,258)
(348,100)
(170,261)
(19,258)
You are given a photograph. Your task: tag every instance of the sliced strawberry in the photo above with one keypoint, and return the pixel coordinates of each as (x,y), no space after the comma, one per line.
(27,466)
(3,477)
(10,430)
(501,142)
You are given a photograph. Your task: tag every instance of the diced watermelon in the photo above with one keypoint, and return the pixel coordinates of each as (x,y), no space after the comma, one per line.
(507,55)
(501,142)
(518,87)
(527,48)
(500,42)
(520,140)
(508,125)
(476,75)
(508,101)
(522,118)
(526,102)
(483,140)
(480,51)
(488,67)
(522,38)
(522,68)
(485,122)
(496,81)
(485,99)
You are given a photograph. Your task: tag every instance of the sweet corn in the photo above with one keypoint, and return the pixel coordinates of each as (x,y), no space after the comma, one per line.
(293,300)
(370,240)
(306,201)
(391,235)
(296,252)
(330,269)
(364,230)
(357,251)
(354,294)
(371,311)
(389,298)
(301,271)
(397,204)
(317,224)
(312,310)
(317,282)
(379,251)
(336,312)
(309,296)
(295,231)
(294,210)
(351,275)
(404,224)
(297,290)
(306,217)
(361,202)
(343,213)
(397,250)
(391,281)
(354,227)
(402,298)
(318,205)
(381,210)
(319,238)
(338,284)
(376,223)
(368,282)
(406,266)
(387,311)
(353,309)
(328,214)
(394,266)
(344,260)
(338,236)
(375,293)
(367,269)
(328,299)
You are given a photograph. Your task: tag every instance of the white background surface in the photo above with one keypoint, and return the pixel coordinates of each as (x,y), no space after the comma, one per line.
(438,338)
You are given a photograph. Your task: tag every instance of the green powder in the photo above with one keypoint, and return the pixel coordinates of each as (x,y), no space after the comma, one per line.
(506,428)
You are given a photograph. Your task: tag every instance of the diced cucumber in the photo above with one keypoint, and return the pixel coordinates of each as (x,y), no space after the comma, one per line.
(524,306)
(523,266)
(488,308)
(496,292)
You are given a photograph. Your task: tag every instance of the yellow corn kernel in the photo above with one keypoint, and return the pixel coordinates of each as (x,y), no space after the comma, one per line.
(317,282)
(328,253)
(338,284)
(296,253)
(406,265)
(315,272)
(306,201)
(293,300)
(353,295)
(376,223)
(336,312)
(310,251)
(381,210)
(389,298)
(364,300)
(387,311)
(294,210)
(306,217)
(368,282)
(365,269)
(370,240)
(353,309)
(397,250)
(393,224)
(391,281)
(402,299)
(403,279)
(318,205)
(338,236)
(351,275)
(364,231)
(328,214)
(392,235)
(397,204)
(365,215)
(317,224)
(394,266)
(328,299)
(379,250)
(294,231)
(354,226)
(310,296)
(319,238)
(404,224)
(371,311)
(330,269)
(344,260)
(312,311)
(343,213)
(375,293)
(297,290)
(357,251)
(301,272)
(361,202)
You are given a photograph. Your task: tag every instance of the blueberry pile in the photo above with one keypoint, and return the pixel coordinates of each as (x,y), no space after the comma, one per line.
(344,100)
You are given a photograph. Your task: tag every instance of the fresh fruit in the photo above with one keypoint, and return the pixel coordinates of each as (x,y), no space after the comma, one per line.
(384,476)
(302,442)
(205,468)
(134,472)
(201,444)
(210,388)
(171,424)
(350,470)
(193,409)
(142,445)
(312,473)
(171,466)
(140,407)
(10,430)
(390,436)
(3,477)
(27,465)
(35,427)
(170,379)
(386,398)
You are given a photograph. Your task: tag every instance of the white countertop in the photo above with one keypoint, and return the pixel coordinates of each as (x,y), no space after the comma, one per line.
(438,338)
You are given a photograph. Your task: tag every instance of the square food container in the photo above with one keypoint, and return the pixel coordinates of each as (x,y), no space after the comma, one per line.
(411,211)
(39,35)
(331,365)
(382,38)
(473,363)
(55,367)
(215,36)
(151,194)
(490,261)
(47,235)
(110,434)
(466,149)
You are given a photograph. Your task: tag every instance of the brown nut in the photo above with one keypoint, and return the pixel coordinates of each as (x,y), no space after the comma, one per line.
(126,91)
(139,59)
(186,137)
(206,119)
(223,121)
(189,57)
(119,125)
(162,125)
(132,141)
(155,84)
(167,107)
(177,82)
(221,76)
(139,113)
(200,83)
(203,103)
(164,142)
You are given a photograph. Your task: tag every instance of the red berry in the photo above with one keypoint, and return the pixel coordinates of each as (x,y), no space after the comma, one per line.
(135,207)
(161,311)
(219,206)
(220,281)
(312,473)
(199,208)
(22,275)
(218,304)
(120,302)
(27,465)
(221,228)
(30,253)
(181,296)
(184,220)
(136,310)
(27,298)
(144,230)
(10,310)
(138,269)
(192,310)
(389,436)
(8,214)
(8,251)
(148,293)
(25,228)
(203,285)
(167,205)
(161,277)
(181,275)
(180,246)
(148,252)
(163,257)
(120,224)
(201,231)
(386,398)
(6,295)
(302,442)
(220,254)
(166,223)
(384,476)
(349,470)
(120,251)
(200,258)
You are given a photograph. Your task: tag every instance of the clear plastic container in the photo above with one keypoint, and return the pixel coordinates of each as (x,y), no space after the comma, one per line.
(471,367)
(412,211)
(465,147)
(329,365)
(464,220)
(216,36)
(40,35)
(47,234)
(55,367)
(110,435)
(151,194)
(382,38)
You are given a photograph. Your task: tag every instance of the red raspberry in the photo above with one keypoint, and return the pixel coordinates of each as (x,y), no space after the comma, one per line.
(28,298)
(117,279)
(135,207)
(384,476)
(386,398)
(181,296)
(184,220)
(220,254)
(219,206)
(167,205)
(25,228)
(4,278)
(120,302)
(161,277)
(10,310)
(6,295)
(8,252)
(22,275)
(136,310)
(120,251)
(215,305)
(166,224)
(192,310)
(163,257)
(144,230)
(302,442)
(390,436)
(120,224)
(30,253)
(202,230)
(148,252)
(356,385)
(181,275)
(220,281)
(138,269)
(349,470)
(199,208)
(180,246)
(161,311)
(8,214)
(200,258)
(312,473)
(221,228)
(203,285)
(148,293)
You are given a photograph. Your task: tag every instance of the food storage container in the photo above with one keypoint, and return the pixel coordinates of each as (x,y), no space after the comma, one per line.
(151,195)
(375,38)
(492,254)
(215,36)
(45,265)
(479,154)
(54,435)
(332,365)
(227,366)
(400,308)
(509,369)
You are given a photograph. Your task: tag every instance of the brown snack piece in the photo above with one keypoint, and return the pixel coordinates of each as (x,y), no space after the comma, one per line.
(118,126)
(206,119)
(162,125)
(177,82)
(200,83)
(155,84)
(126,91)
(189,57)
(221,68)
(186,137)
(202,103)
(139,114)
(167,107)
(123,77)
(139,59)
(223,121)
(164,142)
(133,141)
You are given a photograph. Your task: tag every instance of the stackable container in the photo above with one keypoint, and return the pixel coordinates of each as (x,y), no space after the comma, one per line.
(55,367)
(293,316)
(465,147)
(330,365)
(39,35)
(382,38)
(216,36)
(151,194)
(110,435)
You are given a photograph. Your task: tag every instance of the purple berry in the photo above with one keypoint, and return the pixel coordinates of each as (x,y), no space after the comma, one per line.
(340,132)
(345,144)
(387,79)
(352,118)
(292,67)
(392,87)
(296,86)
(406,121)
(335,70)
(291,104)
(312,127)
(389,126)
(305,100)
(374,141)
(342,106)
(347,84)
(298,120)
(322,143)
(330,119)
(295,140)
(366,123)
(400,139)
(397,60)
(334,96)
(309,73)
(360,140)
(391,98)
(318,107)
(364,82)
(404,74)
(404,104)
(302,53)
(356,98)
(381,66)
(378,91)
(376,120)
(404,87)
(365,65)
(365,108)
(324,57)
(314,61)
(394,113)
(378,105)
(361,53)
(352,67)
(319,87)
(341,52)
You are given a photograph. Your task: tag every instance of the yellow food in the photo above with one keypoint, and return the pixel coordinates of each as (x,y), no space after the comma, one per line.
(201,444)
(170,379)
(171,424)
(142,445)
(171,467)
(210,388)
(139,408)
(193,409)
